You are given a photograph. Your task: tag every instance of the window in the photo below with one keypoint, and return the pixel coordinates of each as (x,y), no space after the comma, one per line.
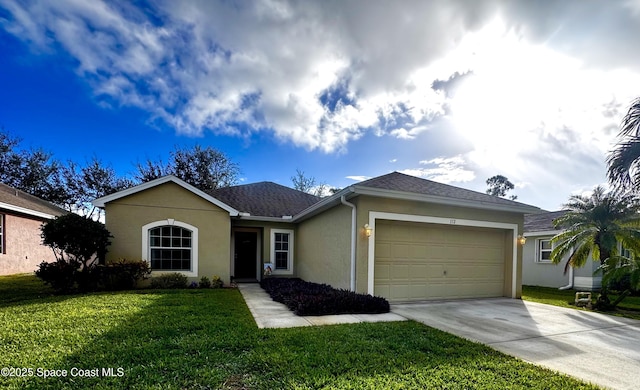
(282,251)
(171,246)
(1,234)
(544,249)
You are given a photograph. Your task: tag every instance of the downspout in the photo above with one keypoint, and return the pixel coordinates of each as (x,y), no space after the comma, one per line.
(570,285)
(352,280)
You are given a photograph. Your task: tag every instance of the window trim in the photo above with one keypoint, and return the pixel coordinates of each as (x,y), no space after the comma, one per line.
(539,250)
(2,234)
(146,248)
(289,270)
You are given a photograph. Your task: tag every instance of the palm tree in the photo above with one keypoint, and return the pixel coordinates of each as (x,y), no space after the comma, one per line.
(619,268)
(624,160)
(594,227)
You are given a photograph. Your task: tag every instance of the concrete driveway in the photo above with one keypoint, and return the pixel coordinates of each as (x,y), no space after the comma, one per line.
(596,348)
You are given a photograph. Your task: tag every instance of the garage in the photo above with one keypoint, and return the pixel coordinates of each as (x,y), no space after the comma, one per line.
(418,261)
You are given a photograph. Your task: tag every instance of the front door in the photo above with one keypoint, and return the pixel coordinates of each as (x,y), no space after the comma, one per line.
(245,260)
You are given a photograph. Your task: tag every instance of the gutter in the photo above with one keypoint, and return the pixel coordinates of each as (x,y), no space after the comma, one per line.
(570,285)
(352,279)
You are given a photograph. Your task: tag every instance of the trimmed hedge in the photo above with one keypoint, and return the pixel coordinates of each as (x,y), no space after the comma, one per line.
(313,299)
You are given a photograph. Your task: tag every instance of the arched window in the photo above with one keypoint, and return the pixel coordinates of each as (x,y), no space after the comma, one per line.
(171,246)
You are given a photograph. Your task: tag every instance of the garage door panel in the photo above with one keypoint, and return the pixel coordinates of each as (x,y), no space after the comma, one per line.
(420,261)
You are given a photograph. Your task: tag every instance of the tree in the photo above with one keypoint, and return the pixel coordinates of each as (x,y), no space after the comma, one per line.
(92,181)
(204,168)
(77,242)
(499,186)
(303,183)
(308,184)
(624,161)
(32,171)
(594,226)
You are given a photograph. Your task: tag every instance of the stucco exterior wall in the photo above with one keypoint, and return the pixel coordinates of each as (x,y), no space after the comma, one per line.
(126,216)
(552,275)
(324,248)
(23,250)
(366,204)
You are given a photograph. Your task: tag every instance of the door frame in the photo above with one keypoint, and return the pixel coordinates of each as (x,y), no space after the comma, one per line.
(375,215)
(258,232)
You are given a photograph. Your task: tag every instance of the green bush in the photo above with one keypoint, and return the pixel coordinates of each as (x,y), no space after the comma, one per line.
(77,244)
(60,275)
(170,280)
(216,282)
(205,282)
(121,275)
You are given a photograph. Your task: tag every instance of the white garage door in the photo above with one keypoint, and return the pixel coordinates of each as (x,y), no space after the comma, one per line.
(417,261)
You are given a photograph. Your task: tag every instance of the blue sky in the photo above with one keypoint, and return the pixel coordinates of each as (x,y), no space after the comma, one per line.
(453,91)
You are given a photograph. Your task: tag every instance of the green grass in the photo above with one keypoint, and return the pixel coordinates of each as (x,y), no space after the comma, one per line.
(207,339)
(629,307)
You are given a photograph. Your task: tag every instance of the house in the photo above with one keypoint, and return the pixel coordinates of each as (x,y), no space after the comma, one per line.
(537,268)
(396,236)
(21,216)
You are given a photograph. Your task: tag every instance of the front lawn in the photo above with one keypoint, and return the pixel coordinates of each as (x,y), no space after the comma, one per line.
(207,339)
(629,307)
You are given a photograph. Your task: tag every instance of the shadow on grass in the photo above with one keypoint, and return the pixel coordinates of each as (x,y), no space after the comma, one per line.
(201,339)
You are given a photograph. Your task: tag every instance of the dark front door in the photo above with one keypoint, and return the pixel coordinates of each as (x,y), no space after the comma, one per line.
(245,261)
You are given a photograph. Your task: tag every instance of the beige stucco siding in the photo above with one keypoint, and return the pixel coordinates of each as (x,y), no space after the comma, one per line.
(23,250)
(126,216)
(324,247)
(367,204)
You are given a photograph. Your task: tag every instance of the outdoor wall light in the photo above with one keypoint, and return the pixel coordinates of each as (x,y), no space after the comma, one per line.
(522,240)
(367,230)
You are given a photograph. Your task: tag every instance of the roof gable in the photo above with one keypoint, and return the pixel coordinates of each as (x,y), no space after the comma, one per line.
(101,202)
(265,199)
(400,182)
(21,202)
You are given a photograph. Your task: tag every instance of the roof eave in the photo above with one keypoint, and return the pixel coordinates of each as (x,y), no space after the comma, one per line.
(444,200)
(23,210)
(101,202)
(324,204)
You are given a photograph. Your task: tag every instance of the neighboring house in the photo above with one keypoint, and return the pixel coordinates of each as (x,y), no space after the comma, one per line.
(395,236)
(21,216)
(537,268)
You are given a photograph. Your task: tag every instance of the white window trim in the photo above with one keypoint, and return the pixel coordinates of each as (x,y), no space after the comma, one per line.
(289,270)
(538,257)
(194,245)
(2,233)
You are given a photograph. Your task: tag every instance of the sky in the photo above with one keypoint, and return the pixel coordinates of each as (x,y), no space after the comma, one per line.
(452,91)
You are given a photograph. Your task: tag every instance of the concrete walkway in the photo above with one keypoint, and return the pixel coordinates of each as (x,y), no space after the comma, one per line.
(270,314)
(594,347)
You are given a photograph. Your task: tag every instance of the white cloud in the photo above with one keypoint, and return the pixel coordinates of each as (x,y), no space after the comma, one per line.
(443,170)
(547,86)
(358,178)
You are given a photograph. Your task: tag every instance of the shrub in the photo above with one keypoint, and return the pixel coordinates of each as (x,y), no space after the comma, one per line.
(76,242)
(170,280)
(216,282)
(122,275)
(305,298)
(205,282)
(60,275)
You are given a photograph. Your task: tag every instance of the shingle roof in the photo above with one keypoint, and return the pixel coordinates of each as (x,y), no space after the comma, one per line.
(20,199)
(265,199)
(397,181)
(541,222)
